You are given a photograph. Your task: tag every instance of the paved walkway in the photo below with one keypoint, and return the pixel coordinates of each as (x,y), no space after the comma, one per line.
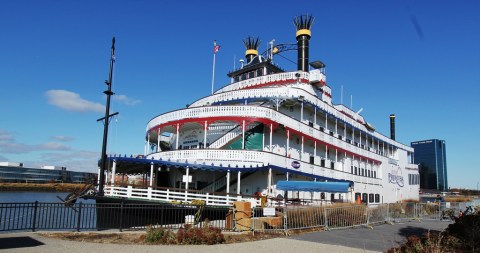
(380,238)
(347,240)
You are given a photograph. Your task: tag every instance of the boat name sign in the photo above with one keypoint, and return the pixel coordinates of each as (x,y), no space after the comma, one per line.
(396,177)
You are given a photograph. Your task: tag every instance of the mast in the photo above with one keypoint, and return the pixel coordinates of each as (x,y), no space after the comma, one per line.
(106,120)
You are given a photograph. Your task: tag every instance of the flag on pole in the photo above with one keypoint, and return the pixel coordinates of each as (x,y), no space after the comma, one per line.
(215,47)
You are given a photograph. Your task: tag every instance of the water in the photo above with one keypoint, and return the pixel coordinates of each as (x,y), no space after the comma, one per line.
(18,212)
(47,197)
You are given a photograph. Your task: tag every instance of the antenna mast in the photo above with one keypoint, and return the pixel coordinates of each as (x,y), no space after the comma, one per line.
(106,119)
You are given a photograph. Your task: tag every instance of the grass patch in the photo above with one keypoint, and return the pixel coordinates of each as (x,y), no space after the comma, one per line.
(47,187)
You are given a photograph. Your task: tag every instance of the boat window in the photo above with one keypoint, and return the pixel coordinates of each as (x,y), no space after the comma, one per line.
(370,198)
(358,195)
(251,74)
(377,198)
(259,72)
(364,198)
(244,76)
(236,79)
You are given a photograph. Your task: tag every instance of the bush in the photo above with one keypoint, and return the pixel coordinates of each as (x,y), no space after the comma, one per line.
(193,235)
(467,230)
(461,236)
(185,235)
(429,243)
(160,236)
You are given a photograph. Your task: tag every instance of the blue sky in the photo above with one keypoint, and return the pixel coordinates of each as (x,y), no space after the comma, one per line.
(417,59)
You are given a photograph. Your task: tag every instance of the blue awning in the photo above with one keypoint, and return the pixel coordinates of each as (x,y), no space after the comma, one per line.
(311,186)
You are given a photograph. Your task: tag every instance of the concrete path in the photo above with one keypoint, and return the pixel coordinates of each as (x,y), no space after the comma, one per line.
(380,238)
(346,240)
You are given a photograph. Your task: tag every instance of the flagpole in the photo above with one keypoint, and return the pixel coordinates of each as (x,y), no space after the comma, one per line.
(213,70)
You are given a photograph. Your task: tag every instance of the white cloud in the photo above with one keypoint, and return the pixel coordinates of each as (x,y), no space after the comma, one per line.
(71,101)
(5,136)
(62,138)
(9,145)
(75,160)
(51,153)
(126,100)
(52,146)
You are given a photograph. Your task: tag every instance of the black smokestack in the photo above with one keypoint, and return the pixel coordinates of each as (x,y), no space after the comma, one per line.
(251,44)
(392,126)
(303,24)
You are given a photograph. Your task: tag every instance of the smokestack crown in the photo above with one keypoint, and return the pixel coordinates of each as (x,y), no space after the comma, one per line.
(251,44)
(303,24)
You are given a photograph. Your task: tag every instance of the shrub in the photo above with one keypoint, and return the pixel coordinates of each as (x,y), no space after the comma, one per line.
(461,236)
(205,235)
(429,243)
(185,235)
(467,230)
(160,236)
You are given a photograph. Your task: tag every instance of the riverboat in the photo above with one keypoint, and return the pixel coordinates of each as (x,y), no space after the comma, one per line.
(271,135)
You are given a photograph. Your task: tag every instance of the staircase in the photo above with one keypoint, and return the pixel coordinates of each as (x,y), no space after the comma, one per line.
(227,137)
(221,183)
(231,135)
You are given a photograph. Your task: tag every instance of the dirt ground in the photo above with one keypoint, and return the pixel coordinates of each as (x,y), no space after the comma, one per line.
(139,237)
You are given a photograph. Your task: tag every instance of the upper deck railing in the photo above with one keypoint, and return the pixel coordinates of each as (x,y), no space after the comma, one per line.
(258,112)
(250,159)
(252,82)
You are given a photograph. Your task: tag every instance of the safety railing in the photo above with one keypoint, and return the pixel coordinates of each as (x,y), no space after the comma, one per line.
(84,216)
(252,158)
(252,82)
(177,195)
(260,113)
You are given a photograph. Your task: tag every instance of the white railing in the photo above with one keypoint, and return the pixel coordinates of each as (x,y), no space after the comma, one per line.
(176,195)
(268,92)
(247,158)
(258,112)
(274,92)
(264,79)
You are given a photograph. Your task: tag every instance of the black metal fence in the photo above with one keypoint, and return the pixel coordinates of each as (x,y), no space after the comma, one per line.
(82,217)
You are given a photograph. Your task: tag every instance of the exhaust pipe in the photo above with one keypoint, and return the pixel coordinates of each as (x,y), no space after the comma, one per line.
(392,126)
(303,24)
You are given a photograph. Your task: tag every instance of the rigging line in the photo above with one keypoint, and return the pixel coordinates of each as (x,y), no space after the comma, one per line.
(116,134)
(286,58)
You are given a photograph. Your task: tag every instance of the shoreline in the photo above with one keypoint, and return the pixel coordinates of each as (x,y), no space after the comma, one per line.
(34,187)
